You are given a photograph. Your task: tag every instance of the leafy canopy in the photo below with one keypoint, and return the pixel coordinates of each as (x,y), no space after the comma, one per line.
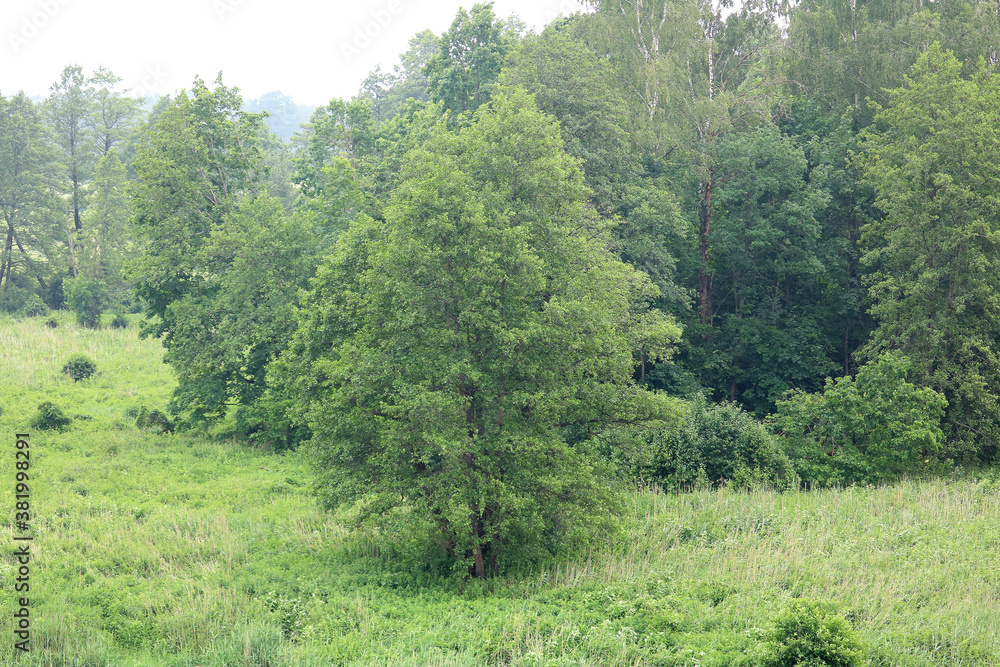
(444,351)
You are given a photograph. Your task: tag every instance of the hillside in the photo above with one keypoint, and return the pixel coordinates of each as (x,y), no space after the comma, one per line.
(195,550)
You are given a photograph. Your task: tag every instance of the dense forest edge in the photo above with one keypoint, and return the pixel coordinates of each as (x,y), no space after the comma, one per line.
(525,288)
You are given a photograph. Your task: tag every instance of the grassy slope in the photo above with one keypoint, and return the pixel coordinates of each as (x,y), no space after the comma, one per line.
(177,550)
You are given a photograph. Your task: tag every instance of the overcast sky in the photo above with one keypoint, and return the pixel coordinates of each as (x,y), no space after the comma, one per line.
(312,51)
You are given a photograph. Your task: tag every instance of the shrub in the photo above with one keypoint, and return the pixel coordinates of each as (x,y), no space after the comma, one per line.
(715,443)
(87,297)
(812,633)
(49,418)
(79,367)
(21,302)
(153,420)
(869,429)
(119,322)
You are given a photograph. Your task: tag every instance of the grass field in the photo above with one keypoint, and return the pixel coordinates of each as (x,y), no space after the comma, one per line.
(196,550)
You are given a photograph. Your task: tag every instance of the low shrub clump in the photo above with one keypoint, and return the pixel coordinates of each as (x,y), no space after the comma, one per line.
(812,633)
(80,367)
(153,420)
(713,444)
(49,418)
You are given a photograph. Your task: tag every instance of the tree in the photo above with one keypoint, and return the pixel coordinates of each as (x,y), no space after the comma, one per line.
(843,52)
(221,264)
(767,273)
(388,91)
(570,82)
(471,54)
(933,260)
(692,77)
(29,208)
(69,110)
(103,245)
(113,115)
(442,354)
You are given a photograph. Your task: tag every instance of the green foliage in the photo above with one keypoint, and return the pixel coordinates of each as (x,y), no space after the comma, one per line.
(222,264)
(153,420)
(933,260)
(129,625)
(767,271)
(21,302)
(440,353)
(31,209)
(119,322)
(79,367)
(87,297)
(464,72)
(52,323)
(49,418)
(868,429)
(813,634)
(711,444)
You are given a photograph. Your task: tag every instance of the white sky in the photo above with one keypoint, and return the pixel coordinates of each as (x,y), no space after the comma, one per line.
(311,51)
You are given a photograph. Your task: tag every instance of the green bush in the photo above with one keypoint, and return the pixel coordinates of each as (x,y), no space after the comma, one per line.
(87,297)
(718,444)
(153,420)
(872,428)
(812,634)
(49,418)
(21,302)
(79,367)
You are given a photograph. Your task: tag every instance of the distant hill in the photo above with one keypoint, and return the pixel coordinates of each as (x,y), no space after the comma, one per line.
(285,115)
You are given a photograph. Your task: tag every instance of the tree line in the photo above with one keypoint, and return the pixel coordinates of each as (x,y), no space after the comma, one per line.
(667,240)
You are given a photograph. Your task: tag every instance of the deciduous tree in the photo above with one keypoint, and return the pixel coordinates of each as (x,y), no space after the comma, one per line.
(933,260)
(442,353)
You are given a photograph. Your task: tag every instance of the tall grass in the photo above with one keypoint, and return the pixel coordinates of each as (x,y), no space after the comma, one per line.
(186,550)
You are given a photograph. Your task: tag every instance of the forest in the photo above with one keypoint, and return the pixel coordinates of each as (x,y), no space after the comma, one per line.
(676,245)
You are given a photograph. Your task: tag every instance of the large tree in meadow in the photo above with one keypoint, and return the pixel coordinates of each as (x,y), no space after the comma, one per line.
(443,352)
(933,156)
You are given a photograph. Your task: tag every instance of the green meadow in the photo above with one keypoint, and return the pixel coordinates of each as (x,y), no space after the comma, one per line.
(197,549)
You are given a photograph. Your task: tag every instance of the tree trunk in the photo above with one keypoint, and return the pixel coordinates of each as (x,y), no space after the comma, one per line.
(6,265)
(704,277)
(479,570)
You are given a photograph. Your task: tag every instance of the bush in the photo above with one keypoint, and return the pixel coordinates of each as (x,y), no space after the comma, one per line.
(119,322)
(21,302)
(810,634)
(49,418)
(714,443)
(79,367)
(153,420)
(87,297)
(869,429)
